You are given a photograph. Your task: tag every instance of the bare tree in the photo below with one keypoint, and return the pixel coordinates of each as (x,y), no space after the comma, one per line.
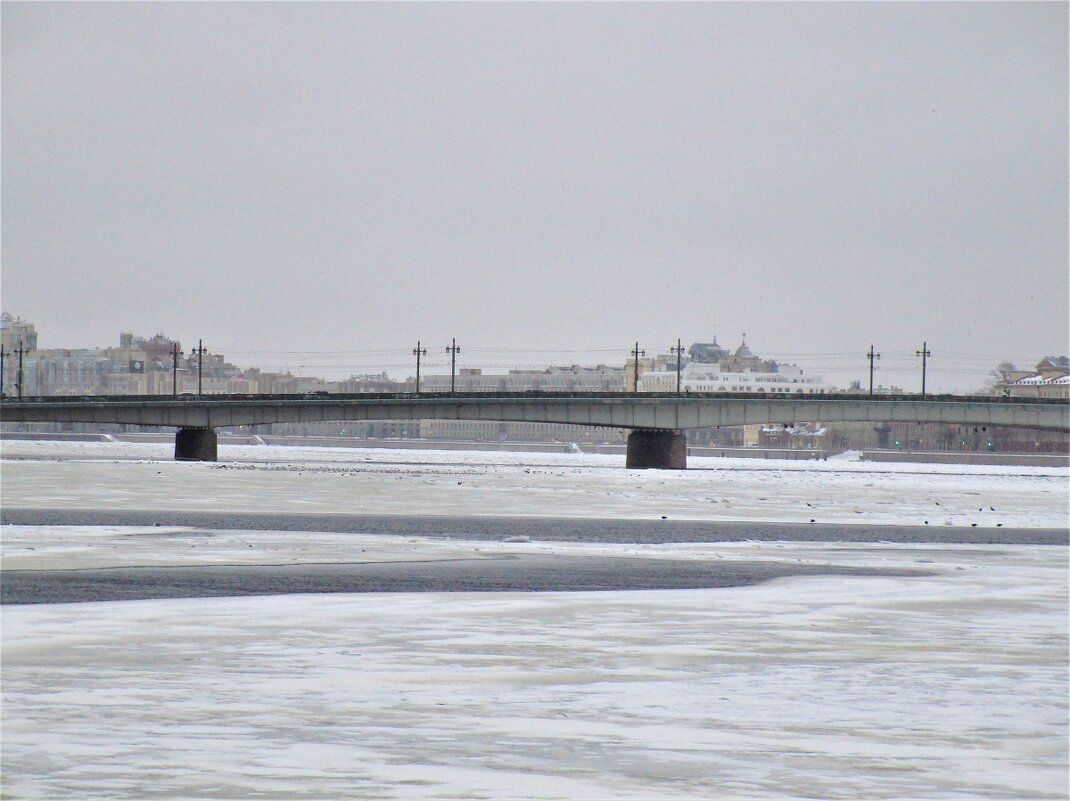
(999,378)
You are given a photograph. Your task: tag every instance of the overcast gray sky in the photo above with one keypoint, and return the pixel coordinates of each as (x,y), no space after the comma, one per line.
(339,180)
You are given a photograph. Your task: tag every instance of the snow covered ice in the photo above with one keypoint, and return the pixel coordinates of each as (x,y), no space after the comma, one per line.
(946,685)
(343,480)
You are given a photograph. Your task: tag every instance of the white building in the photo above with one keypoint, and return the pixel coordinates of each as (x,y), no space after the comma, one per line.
(573,378)
(698,377)
(1038,386)
(713,368)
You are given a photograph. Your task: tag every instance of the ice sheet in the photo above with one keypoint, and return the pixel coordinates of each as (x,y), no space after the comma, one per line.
(951,686)
(76,475)
(945,687)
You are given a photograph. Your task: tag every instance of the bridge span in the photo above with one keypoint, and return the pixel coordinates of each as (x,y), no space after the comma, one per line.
(656,420)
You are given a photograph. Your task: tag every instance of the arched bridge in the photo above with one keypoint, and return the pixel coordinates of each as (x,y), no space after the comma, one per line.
(656,420)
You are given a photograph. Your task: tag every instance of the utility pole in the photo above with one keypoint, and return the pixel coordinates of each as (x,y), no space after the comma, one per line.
(18,383)
(637,353)
(418,352)
(871,356)
(199,350)
(678,350)
(453,350)
(1,371)
(174,368)
(925,354)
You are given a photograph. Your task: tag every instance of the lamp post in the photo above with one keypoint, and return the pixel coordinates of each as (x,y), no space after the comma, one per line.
(925,354)
(871,356)
(418,352)
(678,350)
(637,353)
(1,371)
(199,351)
(174,368)
(453,350)
(18,382)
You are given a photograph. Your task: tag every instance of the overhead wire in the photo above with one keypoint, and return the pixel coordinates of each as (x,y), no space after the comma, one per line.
(894,365)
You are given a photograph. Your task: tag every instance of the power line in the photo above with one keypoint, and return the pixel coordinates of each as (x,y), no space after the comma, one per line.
(314,352)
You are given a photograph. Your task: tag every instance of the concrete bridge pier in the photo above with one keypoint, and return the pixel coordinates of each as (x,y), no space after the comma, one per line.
(662,449)
(196,445)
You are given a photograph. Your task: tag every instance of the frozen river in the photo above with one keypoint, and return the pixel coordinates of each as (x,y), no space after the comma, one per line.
(910,642)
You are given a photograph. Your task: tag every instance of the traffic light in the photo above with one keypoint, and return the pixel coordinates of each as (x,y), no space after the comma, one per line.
(897,443)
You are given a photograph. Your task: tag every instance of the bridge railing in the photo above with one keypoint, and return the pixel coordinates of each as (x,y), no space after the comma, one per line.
(532,393)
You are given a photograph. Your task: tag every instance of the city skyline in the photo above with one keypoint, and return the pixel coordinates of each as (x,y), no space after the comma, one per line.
(322,183)
(379,364)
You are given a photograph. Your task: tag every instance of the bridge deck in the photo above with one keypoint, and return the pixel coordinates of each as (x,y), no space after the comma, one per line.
(663,411)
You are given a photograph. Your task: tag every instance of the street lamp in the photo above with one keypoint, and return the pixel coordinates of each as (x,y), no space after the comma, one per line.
(637,353)
(453,350)
(925,354)
(871,356)
(174,368)
(678,350)
(418,352)
(18,382)
(199,353)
